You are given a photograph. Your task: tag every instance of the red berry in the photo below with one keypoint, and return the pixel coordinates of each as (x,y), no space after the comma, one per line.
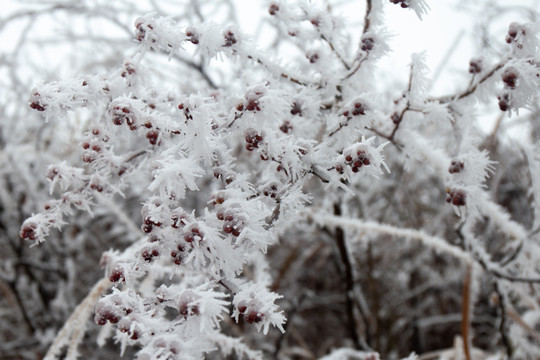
(117,274)
(296,109)
(285,127)
(274,8)
(254,317)
(28,231)
(367,44)
(475,66)
(509,77)
(230,39)
(152,137)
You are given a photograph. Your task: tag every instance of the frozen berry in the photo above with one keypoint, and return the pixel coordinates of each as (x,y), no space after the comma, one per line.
(396,119)
(296,109)
(28,231)
(455,166)
(509,77)
(254,317)
(285,127)
(117,274)
(152,137)
(504,101)
(273,9)
(230,39)
(312,57)
(367,44)
(475,66)
(192,36)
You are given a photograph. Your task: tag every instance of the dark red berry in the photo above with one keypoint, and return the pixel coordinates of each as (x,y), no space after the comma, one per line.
(296,109)
(152,137)
(117,274)
(253,105)
(273,9)
(313,58)
(230,39)
(455,166)
(509,77)
(504,101)
(28,231)
(253,317)
(475,66)
(458,199)
(367,44)
(285,126)
(192,36)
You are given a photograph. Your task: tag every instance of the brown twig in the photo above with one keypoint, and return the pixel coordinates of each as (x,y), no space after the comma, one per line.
(466,312)
(339,237)
(470,90)
(367,20)
(347,66)
(502,326)
(283,74)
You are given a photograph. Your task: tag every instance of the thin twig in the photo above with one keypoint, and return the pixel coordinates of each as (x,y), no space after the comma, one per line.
(466,312)
(367,20)
(502,326)
(347,66)
(339,237)
(283,74)
(470,91)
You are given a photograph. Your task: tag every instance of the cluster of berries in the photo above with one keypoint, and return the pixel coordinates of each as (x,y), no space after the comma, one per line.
(312,57)
(357,109)
(192,36)
(186,305)
(149,253)
(121,114)
(509,77)
(230,39)
(367,44)
(456,197)
(286,126)
(455,166)
(35,102)
(404,3)
(273,9)
(355,159)
(252,98)
(250,312)
(253,138)
(233,223)
(513,30)
(193,234)
(93,147)
(28,231)
(475,66)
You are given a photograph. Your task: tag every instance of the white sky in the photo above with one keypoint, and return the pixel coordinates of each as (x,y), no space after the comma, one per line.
(447,26)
